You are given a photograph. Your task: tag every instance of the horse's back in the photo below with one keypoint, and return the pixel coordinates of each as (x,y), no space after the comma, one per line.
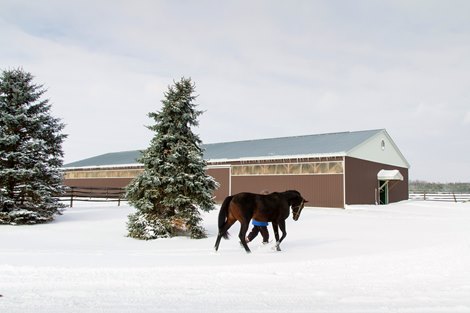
(245,199)
(262,207)
(243,205)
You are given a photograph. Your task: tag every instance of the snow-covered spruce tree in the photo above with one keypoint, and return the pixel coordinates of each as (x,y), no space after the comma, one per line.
(173,186)
(30,152)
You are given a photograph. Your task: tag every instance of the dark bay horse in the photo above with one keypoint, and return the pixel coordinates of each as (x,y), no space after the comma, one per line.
(273,207)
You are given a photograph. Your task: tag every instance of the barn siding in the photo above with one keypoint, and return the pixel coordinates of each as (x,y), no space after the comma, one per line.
(328,191)
(319,190)
(361,182)
(221,176)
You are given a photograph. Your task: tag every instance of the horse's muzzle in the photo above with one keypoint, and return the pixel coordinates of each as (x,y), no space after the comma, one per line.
(296,216)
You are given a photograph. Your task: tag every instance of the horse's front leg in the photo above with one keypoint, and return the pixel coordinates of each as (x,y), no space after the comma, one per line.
(282,226)
(242,235)
(276,231)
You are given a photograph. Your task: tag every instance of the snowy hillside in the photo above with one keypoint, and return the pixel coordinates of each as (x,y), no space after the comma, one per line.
(406,257)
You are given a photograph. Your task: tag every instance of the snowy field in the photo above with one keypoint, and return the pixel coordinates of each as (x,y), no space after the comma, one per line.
(412,256)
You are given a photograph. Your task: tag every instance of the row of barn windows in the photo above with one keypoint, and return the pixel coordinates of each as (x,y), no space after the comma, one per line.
(288,169)
(310,168)
(102,174)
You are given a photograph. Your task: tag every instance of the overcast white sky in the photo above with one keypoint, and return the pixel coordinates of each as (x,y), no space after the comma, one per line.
(262,69)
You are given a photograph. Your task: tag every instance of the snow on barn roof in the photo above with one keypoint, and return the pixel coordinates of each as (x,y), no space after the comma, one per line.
(331,144)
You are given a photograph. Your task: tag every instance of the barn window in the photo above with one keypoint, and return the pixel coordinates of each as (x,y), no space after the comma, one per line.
(282,169)
(271,169)
(247,170)
(295,168)
(102,173)
(308,168)
(335,168)
(259,169)
(321,168)
(382,145)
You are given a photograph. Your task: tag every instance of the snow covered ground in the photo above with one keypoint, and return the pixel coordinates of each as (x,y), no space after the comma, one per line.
(412,256)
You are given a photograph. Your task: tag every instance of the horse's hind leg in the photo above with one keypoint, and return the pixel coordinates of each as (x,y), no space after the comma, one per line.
(217,242)
(242,236)
(223,232)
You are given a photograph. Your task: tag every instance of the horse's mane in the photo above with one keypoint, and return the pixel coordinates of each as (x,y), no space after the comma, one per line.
(292,195)
(297,194)
(292,190)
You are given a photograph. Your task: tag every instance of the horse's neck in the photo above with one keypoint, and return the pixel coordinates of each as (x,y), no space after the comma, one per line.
(290,196)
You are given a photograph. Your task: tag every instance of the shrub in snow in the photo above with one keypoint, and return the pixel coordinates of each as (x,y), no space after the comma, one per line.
(147,226)
(173,186)
(22,216)
(30,152)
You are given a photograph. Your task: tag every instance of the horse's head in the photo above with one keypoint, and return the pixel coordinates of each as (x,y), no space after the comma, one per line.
(296,209)
(297,203)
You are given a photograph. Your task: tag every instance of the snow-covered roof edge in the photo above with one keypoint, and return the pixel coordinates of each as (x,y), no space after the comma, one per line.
(90,167)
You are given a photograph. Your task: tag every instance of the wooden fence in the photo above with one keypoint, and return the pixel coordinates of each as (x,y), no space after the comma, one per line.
(94,194)
(109,194)
(440,196)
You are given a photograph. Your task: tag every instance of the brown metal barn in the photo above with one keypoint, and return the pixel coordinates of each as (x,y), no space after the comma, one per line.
(330,170)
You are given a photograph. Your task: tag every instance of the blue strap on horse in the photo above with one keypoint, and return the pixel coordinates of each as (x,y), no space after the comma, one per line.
(258,223)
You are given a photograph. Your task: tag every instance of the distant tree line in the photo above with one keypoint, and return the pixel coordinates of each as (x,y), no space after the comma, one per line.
(419,185)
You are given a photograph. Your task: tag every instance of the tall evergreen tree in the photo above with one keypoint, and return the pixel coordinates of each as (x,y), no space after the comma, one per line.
(30,152)
(173,185)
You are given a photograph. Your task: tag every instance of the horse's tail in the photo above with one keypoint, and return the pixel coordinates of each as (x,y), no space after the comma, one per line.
(223,213)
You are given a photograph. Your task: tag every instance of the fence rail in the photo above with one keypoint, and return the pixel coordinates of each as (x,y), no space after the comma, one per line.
(94,194)
(440,196)
(110,194)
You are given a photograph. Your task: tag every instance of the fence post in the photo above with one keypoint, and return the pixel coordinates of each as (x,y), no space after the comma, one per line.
(71,197)
(453,194)
(424,195)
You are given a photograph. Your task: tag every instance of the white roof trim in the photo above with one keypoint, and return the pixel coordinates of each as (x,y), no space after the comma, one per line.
(389,175)
(110,166)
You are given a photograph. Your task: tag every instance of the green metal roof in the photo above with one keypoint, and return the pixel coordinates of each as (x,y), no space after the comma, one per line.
(309,145)
(113,158)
